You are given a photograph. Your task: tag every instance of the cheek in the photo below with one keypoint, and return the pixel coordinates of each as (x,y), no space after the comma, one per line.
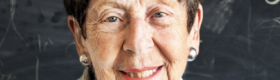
(104,48)
(172,41)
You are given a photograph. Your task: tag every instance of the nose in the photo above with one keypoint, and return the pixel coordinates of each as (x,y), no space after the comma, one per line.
(138,37)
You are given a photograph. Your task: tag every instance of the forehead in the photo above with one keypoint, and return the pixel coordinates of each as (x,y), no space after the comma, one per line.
(128,4)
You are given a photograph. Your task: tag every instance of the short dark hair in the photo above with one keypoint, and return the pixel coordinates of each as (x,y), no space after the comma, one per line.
(77,8)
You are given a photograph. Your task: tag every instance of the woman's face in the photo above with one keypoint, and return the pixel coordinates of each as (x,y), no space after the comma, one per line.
(140,39)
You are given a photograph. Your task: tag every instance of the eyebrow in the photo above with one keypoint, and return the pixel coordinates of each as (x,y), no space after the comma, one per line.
(103,6)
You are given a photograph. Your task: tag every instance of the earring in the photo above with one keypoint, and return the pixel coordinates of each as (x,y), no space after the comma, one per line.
(84,60)
(192,55)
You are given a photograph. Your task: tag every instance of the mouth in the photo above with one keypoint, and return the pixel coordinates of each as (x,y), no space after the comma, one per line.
(141,74)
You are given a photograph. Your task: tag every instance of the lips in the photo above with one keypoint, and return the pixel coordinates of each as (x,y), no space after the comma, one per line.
(146,73)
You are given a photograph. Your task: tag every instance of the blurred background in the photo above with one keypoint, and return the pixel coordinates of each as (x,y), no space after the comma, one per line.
(241,41)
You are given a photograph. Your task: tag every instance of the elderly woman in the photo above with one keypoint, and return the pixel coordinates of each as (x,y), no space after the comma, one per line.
(135,39)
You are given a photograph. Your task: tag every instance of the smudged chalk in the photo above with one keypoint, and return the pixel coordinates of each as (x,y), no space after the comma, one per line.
(57,16)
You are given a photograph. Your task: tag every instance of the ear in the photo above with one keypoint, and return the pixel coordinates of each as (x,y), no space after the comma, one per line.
(195,30)
(77,33)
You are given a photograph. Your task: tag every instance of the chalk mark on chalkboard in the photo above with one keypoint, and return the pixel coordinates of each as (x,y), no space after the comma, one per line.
(277,20)
(13,2)
(46,43)
(7,77)
(50,41)
(39,43)
(272,2)
(19,34)
(12,10)
(3,39)
(260,24)
(248,28)
(37,68)
(72,43)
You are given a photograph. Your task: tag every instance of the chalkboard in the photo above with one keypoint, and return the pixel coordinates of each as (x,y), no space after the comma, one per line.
(35,42)
(240,41)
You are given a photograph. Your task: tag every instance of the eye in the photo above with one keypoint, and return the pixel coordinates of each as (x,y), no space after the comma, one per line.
(112,19)
(159,14)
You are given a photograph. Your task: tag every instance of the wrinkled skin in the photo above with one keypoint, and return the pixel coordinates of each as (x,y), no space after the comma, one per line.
(137,37)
